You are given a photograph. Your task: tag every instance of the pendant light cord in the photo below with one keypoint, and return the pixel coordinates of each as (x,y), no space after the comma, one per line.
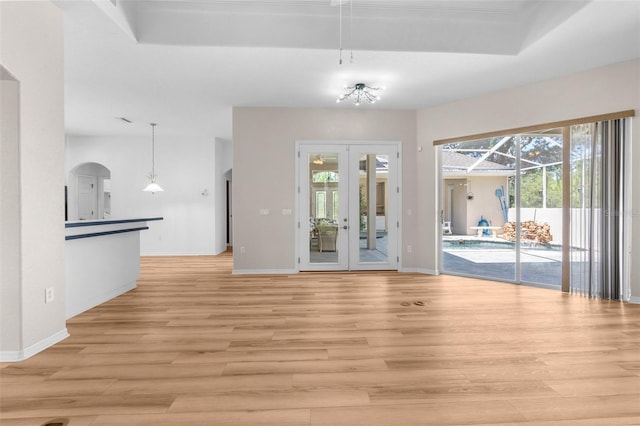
(351,28)
(153,152)
(340,26)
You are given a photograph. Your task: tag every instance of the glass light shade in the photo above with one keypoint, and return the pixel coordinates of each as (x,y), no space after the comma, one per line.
(153,188)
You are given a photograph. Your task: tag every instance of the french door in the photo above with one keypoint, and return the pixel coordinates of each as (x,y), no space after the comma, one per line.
(348,201)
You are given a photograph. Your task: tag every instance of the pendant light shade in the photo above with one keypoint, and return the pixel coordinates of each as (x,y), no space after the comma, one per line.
(153,187)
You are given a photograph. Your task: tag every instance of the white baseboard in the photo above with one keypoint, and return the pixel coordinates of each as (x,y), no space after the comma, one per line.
(294,271)
(264,272)
(16,356)
(634,299)
(84,305)
(421,271)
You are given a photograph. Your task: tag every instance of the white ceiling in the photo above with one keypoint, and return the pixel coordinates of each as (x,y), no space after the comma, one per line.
(185,63)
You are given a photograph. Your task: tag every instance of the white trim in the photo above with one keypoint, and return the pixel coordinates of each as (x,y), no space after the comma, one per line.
(171,254)
(301,142)
(296,210)
(264,272)
(420,271)
(634,299)
(16,356)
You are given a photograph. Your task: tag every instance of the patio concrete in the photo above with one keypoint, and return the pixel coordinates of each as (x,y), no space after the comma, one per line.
(538,266)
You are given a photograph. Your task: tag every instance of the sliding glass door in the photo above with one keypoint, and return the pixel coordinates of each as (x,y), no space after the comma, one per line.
(560,215)
(502,208)
(539,206)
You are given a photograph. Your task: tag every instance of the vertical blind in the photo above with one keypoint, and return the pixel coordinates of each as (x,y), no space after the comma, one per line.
(599,246)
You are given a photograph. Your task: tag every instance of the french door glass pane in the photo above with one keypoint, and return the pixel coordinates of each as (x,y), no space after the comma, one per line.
(323,181)
(373,221)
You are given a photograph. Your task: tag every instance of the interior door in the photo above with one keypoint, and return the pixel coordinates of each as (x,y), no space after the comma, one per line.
(87,197)
(348,203)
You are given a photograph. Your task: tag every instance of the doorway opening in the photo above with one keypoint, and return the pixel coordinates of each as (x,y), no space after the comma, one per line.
(89,192)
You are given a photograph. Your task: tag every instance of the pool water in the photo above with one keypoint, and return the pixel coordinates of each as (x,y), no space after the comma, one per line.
(464,244)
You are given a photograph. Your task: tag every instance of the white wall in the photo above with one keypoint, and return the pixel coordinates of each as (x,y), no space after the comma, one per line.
(10,239)
(264,174)
(185,166)
(32,51)
(599,91)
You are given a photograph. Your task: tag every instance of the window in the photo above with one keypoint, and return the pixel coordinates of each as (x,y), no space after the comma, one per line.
(321,204)
(325,176)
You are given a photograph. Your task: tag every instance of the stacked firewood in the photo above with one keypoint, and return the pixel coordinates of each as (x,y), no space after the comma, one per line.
(530,231)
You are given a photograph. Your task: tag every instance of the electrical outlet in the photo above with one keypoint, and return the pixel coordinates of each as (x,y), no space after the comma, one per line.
(409,249)
(242,249)
(48,295)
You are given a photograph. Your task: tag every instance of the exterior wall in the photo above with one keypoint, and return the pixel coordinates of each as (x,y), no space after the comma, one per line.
(467,212)
(264,168)
(598,91)
(33,52)
(484,203)
(455,209)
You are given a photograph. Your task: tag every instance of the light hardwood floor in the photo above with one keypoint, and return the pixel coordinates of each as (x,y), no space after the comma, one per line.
(194,345)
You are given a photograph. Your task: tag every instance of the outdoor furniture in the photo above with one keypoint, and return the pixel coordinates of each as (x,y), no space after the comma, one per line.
(480,230)
(327,237)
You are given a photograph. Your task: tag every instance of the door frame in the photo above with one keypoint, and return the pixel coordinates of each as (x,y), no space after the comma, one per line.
(398,207)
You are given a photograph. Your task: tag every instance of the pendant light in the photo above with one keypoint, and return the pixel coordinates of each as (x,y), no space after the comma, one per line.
(153,187)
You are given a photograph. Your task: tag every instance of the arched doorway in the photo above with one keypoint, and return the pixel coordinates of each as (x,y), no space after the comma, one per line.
(89,192)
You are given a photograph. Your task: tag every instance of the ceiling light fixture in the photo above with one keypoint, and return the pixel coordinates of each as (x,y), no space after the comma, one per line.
(360,93)
(153,187)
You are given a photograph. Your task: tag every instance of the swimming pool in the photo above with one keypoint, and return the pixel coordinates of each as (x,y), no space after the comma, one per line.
(467,244)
